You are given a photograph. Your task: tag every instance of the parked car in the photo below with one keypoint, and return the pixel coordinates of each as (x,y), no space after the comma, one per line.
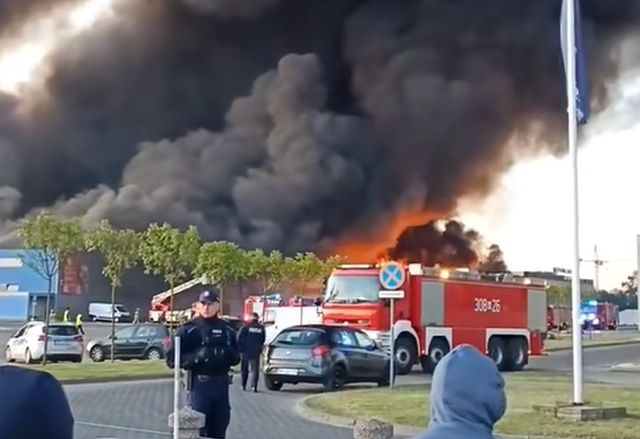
(148,341)
(64,343)
(329,355)
(101,312)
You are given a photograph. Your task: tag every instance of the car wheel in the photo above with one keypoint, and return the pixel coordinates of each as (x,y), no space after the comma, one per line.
(27,357)
(337,378)
(405,353)
(7,355)
(272,384)
(153,354)
(96,354)
(498,351)
(384,379)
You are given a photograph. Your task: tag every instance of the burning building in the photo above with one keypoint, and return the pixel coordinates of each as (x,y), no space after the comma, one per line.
(297,125)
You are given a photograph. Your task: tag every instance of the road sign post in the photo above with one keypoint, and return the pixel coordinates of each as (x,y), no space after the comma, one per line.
(392,277)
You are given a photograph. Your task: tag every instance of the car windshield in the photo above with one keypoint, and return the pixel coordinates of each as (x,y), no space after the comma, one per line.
(67,331)
(352,289)
(120,308)
(299,337)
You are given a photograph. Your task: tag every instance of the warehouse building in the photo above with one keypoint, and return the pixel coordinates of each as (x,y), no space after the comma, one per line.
(23,292)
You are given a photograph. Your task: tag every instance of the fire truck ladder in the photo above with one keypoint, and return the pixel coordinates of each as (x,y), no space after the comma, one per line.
(161,297)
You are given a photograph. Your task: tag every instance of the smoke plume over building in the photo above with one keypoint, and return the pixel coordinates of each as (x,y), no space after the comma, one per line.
(290,124)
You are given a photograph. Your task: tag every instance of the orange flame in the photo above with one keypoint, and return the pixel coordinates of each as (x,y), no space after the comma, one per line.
(374,246)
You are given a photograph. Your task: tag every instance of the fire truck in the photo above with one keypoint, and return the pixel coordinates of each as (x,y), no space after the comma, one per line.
(161,312)
(558,317)
(266,306)
(599,315)
(502,315)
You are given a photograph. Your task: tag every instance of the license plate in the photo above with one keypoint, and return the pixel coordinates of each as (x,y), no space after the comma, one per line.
(61,343)
(288,371)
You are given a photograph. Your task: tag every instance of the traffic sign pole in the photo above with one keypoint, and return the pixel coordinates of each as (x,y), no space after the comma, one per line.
(392,362)
(392,277)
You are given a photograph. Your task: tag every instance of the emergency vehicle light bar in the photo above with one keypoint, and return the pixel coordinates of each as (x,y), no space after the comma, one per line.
(355,266)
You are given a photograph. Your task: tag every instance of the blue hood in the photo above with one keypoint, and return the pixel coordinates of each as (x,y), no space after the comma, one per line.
(467,396)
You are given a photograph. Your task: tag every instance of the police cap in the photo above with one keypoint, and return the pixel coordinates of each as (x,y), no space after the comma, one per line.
(208,297)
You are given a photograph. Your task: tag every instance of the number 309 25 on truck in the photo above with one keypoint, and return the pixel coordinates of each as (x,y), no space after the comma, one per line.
(503,315)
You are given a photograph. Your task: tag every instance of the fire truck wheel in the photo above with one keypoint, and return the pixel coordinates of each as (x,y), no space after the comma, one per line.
(271,384)
(406,355)
(518,353)
(439,348)
(498,351)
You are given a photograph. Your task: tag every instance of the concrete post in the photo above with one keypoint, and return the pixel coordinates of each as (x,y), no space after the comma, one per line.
(189,423)
(372,429)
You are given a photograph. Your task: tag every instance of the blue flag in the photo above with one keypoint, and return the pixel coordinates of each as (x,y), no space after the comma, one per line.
(582,87)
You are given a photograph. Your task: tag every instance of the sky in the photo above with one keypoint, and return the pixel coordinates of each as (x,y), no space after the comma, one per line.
(529,213)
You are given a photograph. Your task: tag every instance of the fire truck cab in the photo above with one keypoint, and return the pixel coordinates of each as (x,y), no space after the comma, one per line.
(501,315)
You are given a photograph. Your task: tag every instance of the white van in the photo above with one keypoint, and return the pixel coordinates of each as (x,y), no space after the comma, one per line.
(101,312)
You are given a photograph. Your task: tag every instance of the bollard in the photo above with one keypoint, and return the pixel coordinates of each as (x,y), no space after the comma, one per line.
(189,423)
(372,429)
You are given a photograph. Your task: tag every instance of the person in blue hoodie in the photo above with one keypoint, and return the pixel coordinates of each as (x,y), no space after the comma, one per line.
(467,396)
(33,405)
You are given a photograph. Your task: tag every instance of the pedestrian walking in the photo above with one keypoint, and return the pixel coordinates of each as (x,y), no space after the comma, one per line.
(136,316)
(66,315)
(251,342)
(52,315)
(208,350)
(79,324)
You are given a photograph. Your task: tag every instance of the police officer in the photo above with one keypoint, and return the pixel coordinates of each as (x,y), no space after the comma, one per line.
(250,341)
(208,350)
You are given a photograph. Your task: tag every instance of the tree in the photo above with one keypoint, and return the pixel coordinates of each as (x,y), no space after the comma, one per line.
(303,268)
(168,252)
(52,242)
(330,264)
(121,251)
(269,270)
(222,262)
(559,295)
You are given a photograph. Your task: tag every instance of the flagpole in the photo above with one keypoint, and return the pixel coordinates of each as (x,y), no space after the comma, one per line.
(573,158)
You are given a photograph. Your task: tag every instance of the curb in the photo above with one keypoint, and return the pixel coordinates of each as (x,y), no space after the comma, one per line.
(625,368)
(596,346)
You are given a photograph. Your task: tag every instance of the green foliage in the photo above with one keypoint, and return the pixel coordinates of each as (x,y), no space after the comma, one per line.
(330,264)
(120,248)
(303,268)
(222,262)
(559,295)
(268,269)
(53,242)
(166,251)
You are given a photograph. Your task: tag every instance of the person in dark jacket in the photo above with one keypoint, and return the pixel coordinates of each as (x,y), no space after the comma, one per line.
(208,350)
(33,405)
(251,341)
(467,396)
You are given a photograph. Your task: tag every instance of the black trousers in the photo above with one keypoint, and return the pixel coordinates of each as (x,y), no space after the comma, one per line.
(250,363)
(210,395)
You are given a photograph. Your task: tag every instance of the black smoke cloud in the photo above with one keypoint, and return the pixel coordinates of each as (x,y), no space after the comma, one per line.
(289,124)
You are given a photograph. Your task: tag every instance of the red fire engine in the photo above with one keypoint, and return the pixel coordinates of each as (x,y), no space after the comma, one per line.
(265,305)
(504,316)
(559,317)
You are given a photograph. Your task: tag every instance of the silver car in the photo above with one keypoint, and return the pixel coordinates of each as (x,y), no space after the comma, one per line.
(329,355)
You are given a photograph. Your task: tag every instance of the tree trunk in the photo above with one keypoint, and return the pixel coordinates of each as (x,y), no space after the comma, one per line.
(221,312)
(113,323)
(171,312)
(47,320)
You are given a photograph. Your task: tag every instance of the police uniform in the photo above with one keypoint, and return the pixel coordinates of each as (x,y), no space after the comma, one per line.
(251,341)
(208,350)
